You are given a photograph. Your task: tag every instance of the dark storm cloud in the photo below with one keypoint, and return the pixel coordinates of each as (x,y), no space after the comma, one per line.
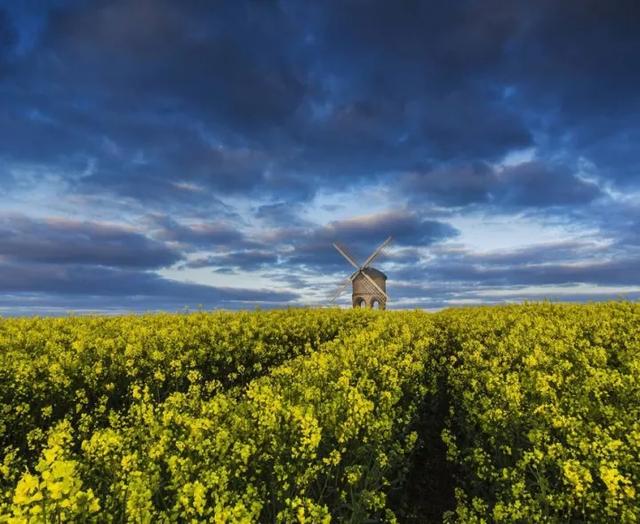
(451,186)
(197,236)
(165,94)
(180,51)
(533,184)
(586,49)
(46,263)
(579,60)
(57,285)
(7,40)
(286,97)
(570,69)
(63,241)
(247,260)
(405,227)
(456,276)
(538,265)
(279,213)
(178,164)
(620,222)
(528,184)
(566,251)
(434,66)
(611,272)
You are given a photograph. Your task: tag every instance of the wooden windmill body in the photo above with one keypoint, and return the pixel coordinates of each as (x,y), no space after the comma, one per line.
(369,285)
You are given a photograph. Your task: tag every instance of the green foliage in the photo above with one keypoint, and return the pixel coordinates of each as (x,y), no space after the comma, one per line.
(321,415)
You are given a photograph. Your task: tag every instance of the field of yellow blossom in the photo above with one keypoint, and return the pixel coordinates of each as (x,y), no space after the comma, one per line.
(527,413)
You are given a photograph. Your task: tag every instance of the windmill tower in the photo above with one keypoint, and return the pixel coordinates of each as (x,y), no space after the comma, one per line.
(369,284)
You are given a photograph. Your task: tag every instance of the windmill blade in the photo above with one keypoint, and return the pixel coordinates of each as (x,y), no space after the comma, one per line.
(376,252)
(382,293)
(343,286)
(340,290)
(374,291)
(376,286)
(346,255)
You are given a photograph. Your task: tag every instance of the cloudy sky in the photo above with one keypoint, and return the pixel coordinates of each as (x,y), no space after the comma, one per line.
(162,154)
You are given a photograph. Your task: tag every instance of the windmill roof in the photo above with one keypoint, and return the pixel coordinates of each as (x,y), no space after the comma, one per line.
(373,272)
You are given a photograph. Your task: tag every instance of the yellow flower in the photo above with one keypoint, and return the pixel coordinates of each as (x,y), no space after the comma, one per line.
(26,490)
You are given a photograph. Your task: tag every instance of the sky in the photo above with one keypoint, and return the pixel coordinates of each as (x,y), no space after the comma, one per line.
(165,155)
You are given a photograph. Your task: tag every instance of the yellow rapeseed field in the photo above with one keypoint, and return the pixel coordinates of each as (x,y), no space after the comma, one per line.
(323,416)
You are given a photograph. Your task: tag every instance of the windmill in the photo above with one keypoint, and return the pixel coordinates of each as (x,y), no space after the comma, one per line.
(369,284)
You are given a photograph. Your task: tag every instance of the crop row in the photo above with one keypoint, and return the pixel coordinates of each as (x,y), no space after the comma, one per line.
(544,418)
(84,370)
(322,435)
